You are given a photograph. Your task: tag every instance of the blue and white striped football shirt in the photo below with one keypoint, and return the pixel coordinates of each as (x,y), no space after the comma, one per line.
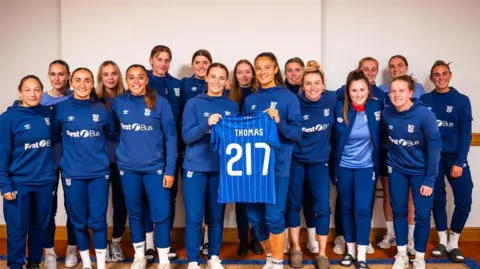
(247,145)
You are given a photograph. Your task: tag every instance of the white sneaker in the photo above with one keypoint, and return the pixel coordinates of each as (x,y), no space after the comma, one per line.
(268,263)
(401,262)
(108,258)
(117,253)
(165,265)
(286,249)
(50,260)
(411,247)
(214,263)
(139,263)
(370,249)
(418,263)
(193,265)
(387,242)
(313,247)
(339,247)
(71,259)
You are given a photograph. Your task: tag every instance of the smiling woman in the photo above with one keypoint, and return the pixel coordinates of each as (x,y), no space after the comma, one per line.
(27,174)
(82,124)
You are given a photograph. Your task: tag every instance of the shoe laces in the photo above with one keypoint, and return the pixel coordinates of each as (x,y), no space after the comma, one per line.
(418,263)
(116,248)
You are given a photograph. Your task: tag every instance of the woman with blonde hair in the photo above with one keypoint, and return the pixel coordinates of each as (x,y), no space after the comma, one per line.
(109,86)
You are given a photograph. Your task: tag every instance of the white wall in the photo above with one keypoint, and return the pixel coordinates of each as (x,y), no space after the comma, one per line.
(338,32)
(30,40)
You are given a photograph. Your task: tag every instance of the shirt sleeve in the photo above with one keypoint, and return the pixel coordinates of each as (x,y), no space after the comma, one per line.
(170,133)
(433,147)
(6,147)
(192,130)
(464,133)
(290,128)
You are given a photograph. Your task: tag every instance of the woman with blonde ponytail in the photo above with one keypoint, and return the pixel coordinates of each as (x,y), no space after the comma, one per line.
(309,163)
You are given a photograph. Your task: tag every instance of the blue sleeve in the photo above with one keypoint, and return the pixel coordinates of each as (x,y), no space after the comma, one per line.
(216,136)
(56,126)
(272,135)
(290,128)
(433,147)
(174,98)
(419,90)
(6,148)
(192,131)
(465,133)
(245,106)
(170,133)
(111,129)
(341,93)
(183,96)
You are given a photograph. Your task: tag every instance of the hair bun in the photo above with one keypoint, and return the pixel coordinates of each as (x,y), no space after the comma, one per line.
(312,64)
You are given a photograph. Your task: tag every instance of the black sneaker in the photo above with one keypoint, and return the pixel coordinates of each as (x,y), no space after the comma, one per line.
(150,255)
(242,249)
(256,247)
(33,266)
(172,255)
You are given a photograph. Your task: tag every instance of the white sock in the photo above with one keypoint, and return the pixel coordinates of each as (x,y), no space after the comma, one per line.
(149,240)
(312,233)
(453,241)
(402,250)
(86,262)
(351,249)
(72,247)
(163,255)
(419,255)
(442,236)
(100,254)
(139,250)
(194,264)
(361,253)
(50,250)
(116,240)
(205,237)
(277,263)
(286,237)
(390,229)
(411,229)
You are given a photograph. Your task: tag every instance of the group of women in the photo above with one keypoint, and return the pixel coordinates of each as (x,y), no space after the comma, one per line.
(140,138)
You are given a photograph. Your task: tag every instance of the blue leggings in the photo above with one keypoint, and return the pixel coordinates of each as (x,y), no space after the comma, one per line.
(51,227)
(356,188)
(317,177)
(141,187)
(269,218)
(398,184)
(200,192)
(27,216)
(462,188)
(87,202)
